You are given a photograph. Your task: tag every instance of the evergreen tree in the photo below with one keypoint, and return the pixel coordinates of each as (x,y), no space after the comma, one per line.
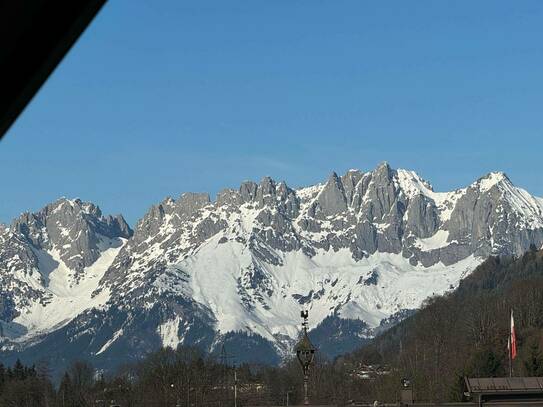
(43,372)
(9,374)
(2,375)
(19,371)
(29,371)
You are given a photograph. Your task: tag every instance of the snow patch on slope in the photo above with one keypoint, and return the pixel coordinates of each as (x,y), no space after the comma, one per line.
(68,298)
(169,333)
(437,241)
(115,336)
(328,283)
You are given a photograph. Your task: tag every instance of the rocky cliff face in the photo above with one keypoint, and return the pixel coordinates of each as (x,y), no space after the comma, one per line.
(71,227)
(365,246)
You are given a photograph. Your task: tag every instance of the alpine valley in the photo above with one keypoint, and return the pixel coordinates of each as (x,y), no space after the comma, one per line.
(360,251)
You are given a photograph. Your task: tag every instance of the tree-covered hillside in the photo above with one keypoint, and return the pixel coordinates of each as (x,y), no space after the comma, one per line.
(465,333)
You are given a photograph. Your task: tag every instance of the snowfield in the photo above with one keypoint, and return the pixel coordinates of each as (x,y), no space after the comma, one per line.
(66,298)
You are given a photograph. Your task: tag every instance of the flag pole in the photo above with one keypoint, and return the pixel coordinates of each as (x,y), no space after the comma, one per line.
(509,354)
(512,345)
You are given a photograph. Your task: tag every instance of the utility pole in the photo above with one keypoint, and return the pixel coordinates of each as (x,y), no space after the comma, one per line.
(224,361)
(235,387)
(188,393)
(224,373)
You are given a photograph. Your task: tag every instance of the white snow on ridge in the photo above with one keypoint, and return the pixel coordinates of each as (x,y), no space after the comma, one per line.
(528,207)
(309,192)
(307,196)
(68,298)
(490,180)
(412,185)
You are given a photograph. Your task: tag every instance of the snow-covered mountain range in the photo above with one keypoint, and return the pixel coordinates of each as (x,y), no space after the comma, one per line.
(360,251)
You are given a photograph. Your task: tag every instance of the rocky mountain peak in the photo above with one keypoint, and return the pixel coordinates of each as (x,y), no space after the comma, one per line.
(71,227)
(331,200)
(383,173)
(492,179)
(350,181)
(229,197)
(267,184)
(116,226)
(190,202)
(266,192)
(283,190)
(248,190)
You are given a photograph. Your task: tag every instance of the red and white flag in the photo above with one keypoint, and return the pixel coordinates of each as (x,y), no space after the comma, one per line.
(512,339)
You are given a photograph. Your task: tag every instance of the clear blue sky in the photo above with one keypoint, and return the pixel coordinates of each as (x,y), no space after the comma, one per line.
(162,97)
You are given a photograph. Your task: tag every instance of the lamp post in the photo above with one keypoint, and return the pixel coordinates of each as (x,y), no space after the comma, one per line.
(305,352)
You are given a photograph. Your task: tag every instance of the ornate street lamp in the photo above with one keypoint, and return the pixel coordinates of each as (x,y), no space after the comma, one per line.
(305,353)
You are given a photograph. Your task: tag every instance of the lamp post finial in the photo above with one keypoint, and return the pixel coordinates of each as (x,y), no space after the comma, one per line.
(305,353)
